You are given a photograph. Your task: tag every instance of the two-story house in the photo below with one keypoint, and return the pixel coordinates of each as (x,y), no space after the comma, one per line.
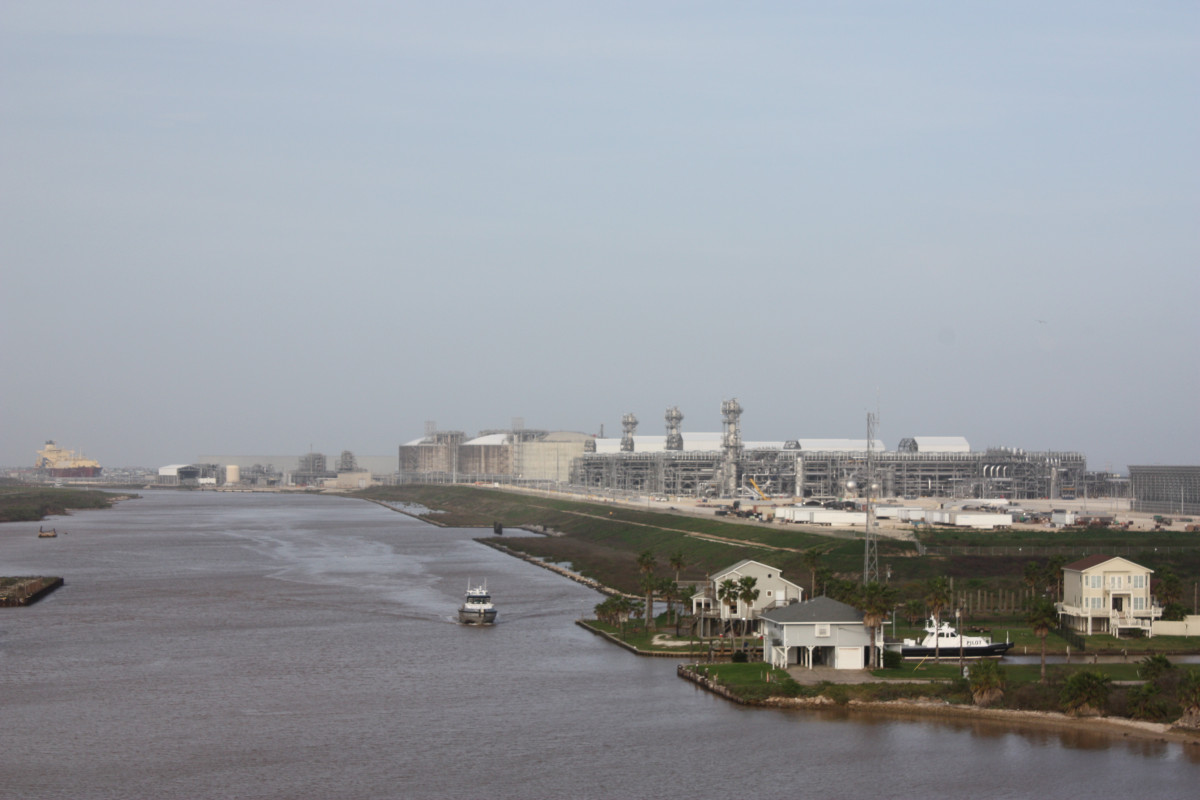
(819,633)
(715,614)
(1105,594)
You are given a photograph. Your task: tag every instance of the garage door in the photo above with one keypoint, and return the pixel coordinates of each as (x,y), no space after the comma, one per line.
(849,658)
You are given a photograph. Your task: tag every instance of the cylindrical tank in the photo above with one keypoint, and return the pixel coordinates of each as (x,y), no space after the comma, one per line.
(233,473)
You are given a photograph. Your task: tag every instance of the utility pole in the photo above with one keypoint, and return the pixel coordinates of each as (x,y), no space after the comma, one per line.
(870,552)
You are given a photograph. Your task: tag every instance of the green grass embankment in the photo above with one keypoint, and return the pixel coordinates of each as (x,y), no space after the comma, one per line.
(33,504)
(1132,691)
(1000,552)
(664,641)
(602,541)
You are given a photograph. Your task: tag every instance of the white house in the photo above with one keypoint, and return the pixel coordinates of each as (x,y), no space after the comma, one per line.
(1103,594)
(773,592)
(821,632)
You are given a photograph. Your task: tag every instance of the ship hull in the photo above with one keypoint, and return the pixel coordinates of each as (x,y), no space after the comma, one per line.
(474,617)
(74,472)
(979,651)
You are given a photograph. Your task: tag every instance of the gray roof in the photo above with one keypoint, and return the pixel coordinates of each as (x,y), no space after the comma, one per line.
(821,609)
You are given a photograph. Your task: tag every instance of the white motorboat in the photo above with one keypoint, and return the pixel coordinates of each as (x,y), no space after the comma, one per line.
(946,641)
(477,608)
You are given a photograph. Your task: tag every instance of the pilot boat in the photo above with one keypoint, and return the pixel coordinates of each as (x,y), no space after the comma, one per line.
(477,608)
(946,641)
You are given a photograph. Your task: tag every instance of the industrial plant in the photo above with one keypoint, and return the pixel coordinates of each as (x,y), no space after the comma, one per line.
(678,463)
(722,465)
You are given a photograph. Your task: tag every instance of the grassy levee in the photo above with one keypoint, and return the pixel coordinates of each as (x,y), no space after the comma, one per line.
(1132,692)
(1092,538)
(1007,550)
(33,503)
(758,683)
(603,541)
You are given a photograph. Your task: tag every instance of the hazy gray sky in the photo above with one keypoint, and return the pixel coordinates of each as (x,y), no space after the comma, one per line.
(251,227)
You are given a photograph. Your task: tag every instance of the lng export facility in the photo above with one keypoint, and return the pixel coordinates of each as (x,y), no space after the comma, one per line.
(721,464)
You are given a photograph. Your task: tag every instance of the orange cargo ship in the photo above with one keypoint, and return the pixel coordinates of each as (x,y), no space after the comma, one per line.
(60,463)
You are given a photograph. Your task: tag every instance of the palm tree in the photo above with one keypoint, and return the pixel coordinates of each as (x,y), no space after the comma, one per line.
(675,592)
(1085,692)
(727,593)
(812,560)
(1188,695)
(1154,666)
(646,565)
(875,600)
(1054,568)
(987,681)
(1034,576)
(615,610)
(937,598)
(670,591)
(677,563)
(1168,588)
(605,611)
(649,585)
(1042,617)
(748,594)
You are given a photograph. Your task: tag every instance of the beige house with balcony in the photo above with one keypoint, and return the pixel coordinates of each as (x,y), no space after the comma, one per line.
(773,592)
(1107,594)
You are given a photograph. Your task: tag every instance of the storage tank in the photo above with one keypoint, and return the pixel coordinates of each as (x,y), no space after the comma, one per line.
(233,474)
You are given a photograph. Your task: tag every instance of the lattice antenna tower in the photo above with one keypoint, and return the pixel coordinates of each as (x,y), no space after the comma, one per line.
(870,550)
(629,424)
(674,437)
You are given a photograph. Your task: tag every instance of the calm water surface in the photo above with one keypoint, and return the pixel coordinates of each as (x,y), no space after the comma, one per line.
(265,646)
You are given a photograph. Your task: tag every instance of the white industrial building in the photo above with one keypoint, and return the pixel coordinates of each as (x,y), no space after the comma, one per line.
(711,464)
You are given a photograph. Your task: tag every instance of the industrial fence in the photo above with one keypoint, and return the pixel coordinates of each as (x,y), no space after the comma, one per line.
(1080,552)
(1073,638)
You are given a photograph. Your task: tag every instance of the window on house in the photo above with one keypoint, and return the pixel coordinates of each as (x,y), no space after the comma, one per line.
(822,629)
(1139,603)
(1139,581)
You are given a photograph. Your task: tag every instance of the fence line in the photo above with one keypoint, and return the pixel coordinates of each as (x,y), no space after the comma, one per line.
(1073,638)
(1028,550)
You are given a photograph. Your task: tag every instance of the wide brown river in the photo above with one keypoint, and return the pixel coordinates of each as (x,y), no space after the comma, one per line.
(263,646)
